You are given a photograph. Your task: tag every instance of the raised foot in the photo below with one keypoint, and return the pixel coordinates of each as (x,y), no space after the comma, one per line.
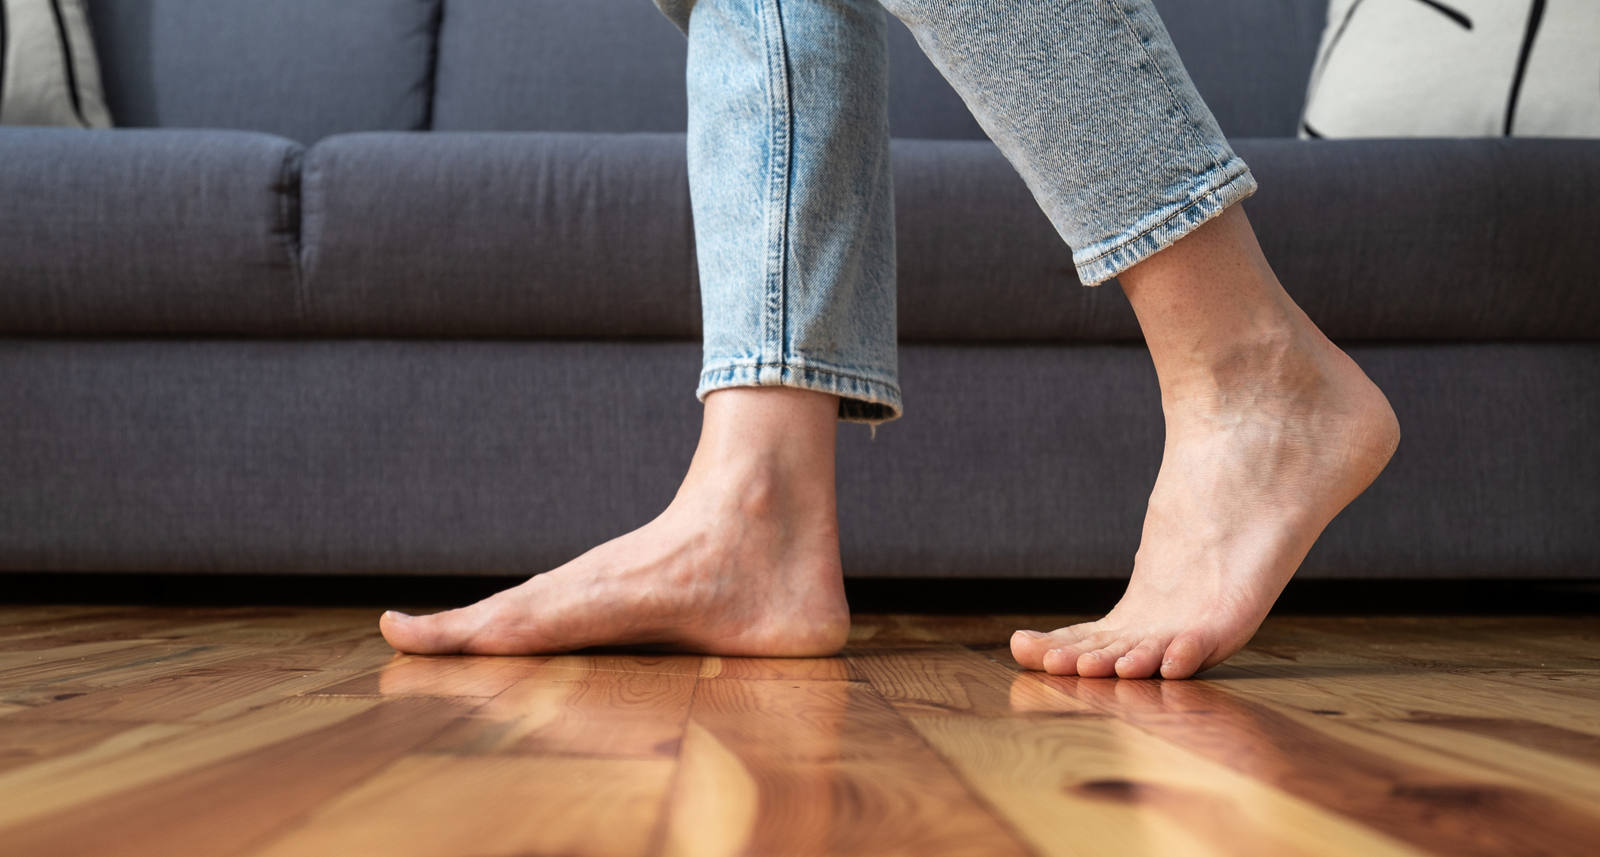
(1251,474)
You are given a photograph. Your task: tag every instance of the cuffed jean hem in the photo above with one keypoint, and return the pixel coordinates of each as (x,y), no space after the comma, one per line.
(861,399)
(1219,188)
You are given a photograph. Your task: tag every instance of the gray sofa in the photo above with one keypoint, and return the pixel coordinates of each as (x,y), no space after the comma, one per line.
(409,286)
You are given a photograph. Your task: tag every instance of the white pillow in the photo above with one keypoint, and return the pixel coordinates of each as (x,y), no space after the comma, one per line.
(1456,68)
(48,71)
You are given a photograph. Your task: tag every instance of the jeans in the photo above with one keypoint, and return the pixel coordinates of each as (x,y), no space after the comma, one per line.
(788,155)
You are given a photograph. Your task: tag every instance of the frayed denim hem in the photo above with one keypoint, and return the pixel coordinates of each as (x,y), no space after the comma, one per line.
(1160,229)
(861,399)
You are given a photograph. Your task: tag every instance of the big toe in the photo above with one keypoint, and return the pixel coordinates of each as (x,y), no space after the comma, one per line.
(1185,655)
(1028,648)
(443,633)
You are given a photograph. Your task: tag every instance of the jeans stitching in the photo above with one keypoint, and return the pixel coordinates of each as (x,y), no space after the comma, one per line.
(846,386)
(1194,130)
(730,367)
(779,160)
(1204,195)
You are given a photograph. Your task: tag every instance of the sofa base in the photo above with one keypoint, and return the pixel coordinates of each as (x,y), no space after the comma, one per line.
(509,457)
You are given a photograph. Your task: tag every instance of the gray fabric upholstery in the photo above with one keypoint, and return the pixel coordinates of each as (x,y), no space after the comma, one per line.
(1250,59)
(618,65)
(1437,239)
(511,457)
(475,352)
(147,230)
(591,236)
(594,65)
(594,238)
(302,69)
(445,234)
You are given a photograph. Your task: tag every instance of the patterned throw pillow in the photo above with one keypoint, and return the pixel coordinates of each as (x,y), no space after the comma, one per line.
(48,71)
(1456,68)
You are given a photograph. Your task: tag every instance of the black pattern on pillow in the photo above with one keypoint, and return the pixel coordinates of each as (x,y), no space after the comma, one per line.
(49,74)
(1456,68)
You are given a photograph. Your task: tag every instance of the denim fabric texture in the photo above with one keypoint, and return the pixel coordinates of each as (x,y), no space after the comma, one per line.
(788,146)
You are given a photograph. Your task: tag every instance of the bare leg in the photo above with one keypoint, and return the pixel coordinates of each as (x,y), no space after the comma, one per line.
(1271,430)
(743,561)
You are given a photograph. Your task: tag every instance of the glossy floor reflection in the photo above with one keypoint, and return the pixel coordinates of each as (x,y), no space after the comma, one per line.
(297,731)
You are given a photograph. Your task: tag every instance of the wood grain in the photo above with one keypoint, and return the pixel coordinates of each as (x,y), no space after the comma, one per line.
(818,767)
(275,731)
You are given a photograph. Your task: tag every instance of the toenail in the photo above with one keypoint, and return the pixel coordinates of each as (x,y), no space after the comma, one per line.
(1032,635)
(396,614)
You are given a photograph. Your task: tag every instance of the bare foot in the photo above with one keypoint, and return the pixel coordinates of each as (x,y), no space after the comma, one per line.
(744,561)
(1271,430)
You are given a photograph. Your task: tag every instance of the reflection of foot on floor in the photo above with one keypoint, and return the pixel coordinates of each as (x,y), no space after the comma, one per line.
(1271,430)
(744,561)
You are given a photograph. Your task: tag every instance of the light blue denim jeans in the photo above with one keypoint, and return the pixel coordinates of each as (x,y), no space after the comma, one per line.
(788,152)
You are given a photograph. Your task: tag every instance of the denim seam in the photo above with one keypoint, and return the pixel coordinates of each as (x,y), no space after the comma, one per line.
(854,373)
(779,160)
(1134,249)
(866,400)
(1194,128)
(1209,191)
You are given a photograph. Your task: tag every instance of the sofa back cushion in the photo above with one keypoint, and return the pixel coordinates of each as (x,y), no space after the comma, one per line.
(546,65)
(618,65)
(302,69)
(1250,59)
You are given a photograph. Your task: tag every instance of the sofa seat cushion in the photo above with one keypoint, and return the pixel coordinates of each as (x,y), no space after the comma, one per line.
(590,235)
(147,231)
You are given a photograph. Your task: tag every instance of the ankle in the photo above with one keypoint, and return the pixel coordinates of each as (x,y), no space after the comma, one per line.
(764,452)
(1272,359)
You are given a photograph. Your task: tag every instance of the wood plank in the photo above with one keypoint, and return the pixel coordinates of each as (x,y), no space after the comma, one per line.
(22,667)
(25,742)
(114,665)
(1428,800)
(1384,735)
(1504,745)
(793,669)
(148,753)
(1052,761)
(656,664)
(579,712)
(440,675)
(198,695)
(818,767)
(1090,786)
(948,678)
(1403,694)
(360,650)
(489,806)
(247,796)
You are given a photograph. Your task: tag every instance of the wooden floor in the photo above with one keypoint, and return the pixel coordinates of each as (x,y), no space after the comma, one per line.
(289,731)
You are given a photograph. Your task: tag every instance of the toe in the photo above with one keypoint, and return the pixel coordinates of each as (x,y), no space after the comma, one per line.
(1142,660)
(1061,661)
(1029,648)
(435,634)
(1101,662)
(1184,656)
